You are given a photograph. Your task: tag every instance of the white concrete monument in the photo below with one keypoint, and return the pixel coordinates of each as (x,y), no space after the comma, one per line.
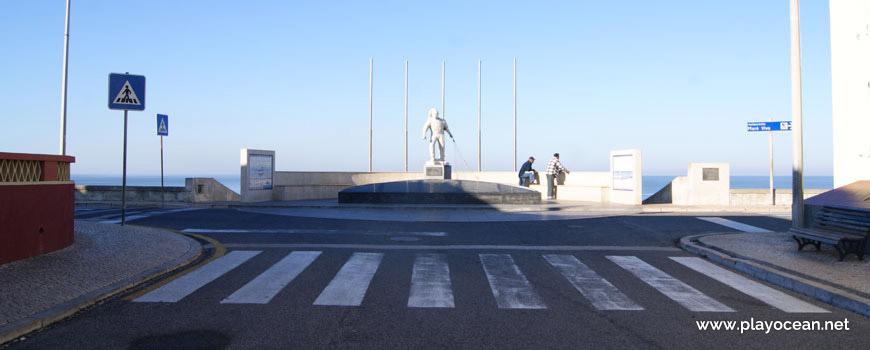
(436,168)
(626,177)
(258,173)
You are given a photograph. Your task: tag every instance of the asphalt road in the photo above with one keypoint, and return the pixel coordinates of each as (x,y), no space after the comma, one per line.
(506,286)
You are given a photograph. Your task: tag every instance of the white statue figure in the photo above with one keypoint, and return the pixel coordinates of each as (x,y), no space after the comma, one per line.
(438,127)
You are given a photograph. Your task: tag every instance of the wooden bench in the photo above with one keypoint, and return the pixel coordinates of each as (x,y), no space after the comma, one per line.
(844,228)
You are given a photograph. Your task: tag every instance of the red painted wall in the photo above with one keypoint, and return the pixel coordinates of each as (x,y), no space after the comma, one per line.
(35,219)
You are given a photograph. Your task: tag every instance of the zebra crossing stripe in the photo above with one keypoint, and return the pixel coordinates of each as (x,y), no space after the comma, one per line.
(509,286)
(673,288)
(602,294)
(189,283)
(749,287)
(430,282)
(350,284)
(262,289)
(733,224)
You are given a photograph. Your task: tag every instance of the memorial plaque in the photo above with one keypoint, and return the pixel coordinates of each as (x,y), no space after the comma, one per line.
(710,174)
(434,171)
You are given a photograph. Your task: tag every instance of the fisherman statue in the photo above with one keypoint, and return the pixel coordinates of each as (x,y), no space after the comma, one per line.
(438,126)
(436,168)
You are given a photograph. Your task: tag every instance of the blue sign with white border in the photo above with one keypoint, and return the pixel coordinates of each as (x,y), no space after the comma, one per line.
(769,126)
(162,125)
(126,92)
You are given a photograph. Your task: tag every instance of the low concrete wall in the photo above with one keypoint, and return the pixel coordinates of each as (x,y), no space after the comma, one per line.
(196,190)
(761,196)
(297,185)
(134,194)
(206,189)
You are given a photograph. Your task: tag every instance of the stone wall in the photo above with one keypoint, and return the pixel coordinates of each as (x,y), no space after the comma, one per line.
(196,190)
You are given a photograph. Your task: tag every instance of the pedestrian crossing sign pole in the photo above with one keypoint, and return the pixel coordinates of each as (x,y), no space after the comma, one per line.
(162,130)
(126,92)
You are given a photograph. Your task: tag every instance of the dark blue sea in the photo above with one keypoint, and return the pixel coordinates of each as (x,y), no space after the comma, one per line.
(651,183)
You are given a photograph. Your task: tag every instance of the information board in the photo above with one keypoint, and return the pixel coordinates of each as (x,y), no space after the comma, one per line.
(623,172)
(259,172)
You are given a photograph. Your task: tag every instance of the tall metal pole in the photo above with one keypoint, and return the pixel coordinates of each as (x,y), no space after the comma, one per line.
(515,114)
(479,133)
(443,112)
(124,176)
(64,84)
(161,172)
(406,116)
(797,173)
(371,91)
(770,151)
(443,96)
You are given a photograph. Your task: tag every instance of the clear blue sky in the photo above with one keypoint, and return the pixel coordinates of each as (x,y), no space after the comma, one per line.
(677,79)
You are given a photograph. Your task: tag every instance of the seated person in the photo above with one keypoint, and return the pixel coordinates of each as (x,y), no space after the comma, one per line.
(527,174)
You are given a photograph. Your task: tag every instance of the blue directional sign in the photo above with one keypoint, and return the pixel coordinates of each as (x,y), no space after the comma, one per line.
(162,125)
(127,91)
(769,126)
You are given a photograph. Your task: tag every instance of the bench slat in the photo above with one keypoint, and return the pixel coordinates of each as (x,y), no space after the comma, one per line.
(841,226)
(865,222)
(834,235)
(851,212)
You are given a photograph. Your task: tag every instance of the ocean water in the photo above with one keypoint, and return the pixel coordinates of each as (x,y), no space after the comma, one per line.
(651,183)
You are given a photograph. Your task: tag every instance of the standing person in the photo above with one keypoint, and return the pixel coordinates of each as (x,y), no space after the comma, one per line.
(554,167)
(527,174)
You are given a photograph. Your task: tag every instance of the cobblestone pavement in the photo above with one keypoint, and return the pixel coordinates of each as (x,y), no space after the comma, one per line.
(778,248)
(102,254)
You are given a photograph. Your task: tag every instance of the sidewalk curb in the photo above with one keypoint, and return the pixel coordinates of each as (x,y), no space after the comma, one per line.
(37,321)
(828,294)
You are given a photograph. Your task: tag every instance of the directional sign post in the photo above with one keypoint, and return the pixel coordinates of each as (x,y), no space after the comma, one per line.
(770,127)
(162,130)
(126,92)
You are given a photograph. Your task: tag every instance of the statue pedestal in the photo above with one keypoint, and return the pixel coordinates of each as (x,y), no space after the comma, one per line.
(437,170)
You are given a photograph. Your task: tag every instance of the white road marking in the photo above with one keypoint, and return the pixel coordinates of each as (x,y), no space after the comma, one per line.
(752,288)
(430,282)
(189,283)
(451,247)
(673,288)
(602,294)
(351,283)
(147,214)
(262,289)
(316,231)
(509,286)
(732,224)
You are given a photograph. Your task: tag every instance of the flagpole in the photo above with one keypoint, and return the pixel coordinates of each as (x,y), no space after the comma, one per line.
(64,84)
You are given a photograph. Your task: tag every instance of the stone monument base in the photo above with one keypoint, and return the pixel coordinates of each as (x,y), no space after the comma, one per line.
(437,170)
(439,192)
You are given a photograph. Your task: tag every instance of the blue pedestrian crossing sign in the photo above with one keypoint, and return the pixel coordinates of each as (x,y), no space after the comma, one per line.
(162,125)
(127,92)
